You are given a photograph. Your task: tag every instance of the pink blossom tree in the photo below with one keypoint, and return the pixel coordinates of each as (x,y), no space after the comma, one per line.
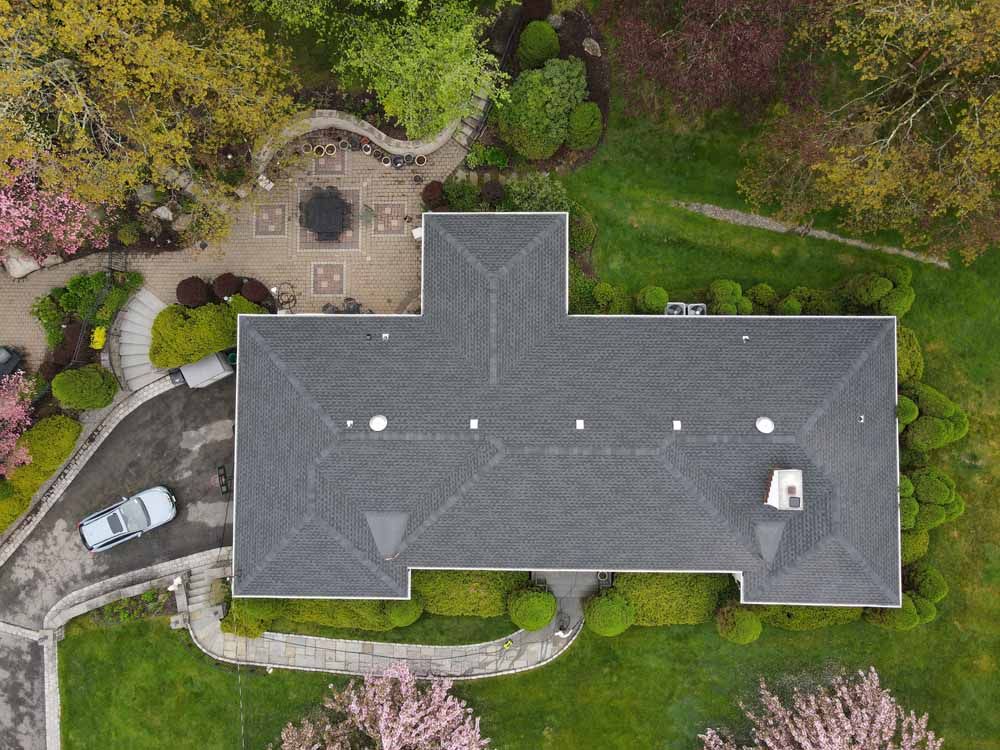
(389,712)
(15,418)
(40,222)
(848,715)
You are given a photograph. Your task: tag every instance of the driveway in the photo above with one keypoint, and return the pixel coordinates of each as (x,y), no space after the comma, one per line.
(177,439)
(22,694)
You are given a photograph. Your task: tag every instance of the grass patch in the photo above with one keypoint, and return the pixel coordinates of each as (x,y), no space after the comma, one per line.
(430,630)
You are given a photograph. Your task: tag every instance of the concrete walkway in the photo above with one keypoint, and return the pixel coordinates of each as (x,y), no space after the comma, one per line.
(517,652)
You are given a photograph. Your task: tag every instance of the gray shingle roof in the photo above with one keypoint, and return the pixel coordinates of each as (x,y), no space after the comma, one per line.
(321,505)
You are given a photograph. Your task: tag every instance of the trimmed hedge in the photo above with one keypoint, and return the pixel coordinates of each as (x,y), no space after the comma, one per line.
(531,609)
(725,297)
(404,612)
(181,335)
(652,300)
(927,610)
(941,420)
(805,618)
(581,292)
(89,387)
(906,411)
(789,306)
(738,624)
(763,297)
(909,356)
(897,302)
(251,617)
(365,614)
(608,613)
(908,509)
(902,618)
(612,300)
(50,442)
(671,598)
(913,545)
(585,126)
(582,229)
(931,485)
(928,582)
(474,593)
(538,43)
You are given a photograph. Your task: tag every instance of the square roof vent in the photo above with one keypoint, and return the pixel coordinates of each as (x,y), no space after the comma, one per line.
(785,490)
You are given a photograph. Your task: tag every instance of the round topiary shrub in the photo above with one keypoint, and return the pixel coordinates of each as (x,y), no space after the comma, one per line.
(193,292)
(531,609)
(744,306)
(899,275)
(738,624)
(905,486)
(723,308)
(226,285)
(926,609)
(432,194)
(902,618)
(404,612)
(128,233)
(929,517)
(724,290)
(608,613)
(585,126)
(535,117)
(913,545)
(671,598)
(927,433)
(538,43)
(906,411)
(789,306)
(928,581)
(865,289)
(254,291)
(90,387)
(652,300)
(491,193)
(763,297)
(908,509)
(582,229)
(931,485)
(909,356)
(897,302)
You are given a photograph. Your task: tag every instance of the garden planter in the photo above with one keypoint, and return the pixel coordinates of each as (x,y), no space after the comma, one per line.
(306,148)
(366,149)
(345,145)
(386,161)
(408,158)
(377,153)
(329,149)
(319,150)
(420,160)
(397,162)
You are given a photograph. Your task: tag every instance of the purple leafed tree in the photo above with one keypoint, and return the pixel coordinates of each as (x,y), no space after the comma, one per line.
(15,418)
(389,712)
(854,714)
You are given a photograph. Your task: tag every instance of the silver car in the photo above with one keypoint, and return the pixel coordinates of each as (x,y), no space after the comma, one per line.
(127,519)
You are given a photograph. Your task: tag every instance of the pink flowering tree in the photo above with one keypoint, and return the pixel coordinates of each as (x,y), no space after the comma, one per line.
(15,418)
(40,222)
(389,712)
(849,715)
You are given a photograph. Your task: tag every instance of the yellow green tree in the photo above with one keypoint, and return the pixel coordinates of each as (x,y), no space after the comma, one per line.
(103,95)
(915,146)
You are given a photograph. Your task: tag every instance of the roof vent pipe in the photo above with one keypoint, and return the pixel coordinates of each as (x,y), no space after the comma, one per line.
(378,423)
(765,425)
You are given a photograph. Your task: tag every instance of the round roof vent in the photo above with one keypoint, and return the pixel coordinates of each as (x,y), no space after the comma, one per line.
(764,424)
(378,423)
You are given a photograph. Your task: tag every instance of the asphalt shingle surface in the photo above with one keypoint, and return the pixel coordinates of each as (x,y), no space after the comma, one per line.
(529,490)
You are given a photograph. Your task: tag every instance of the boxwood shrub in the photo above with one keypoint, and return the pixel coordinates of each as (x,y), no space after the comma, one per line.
(906,411)
(909,356)
(582,229)
(738,624)
(902,618)
(652,300)
(251,617)
(181,335)
(538,43)
(763,297)
(535,118)
(927,610)
(364,614)
(531,608)
(805,618)
(404,612)
(89,387)
(585,126)
(474,593)
(671,598)
(927,581)
(581,292)
(913,545)
(608,613)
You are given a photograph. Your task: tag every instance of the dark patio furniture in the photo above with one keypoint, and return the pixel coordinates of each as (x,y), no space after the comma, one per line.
(326,213)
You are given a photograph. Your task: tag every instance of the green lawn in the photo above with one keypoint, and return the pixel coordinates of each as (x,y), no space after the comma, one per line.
(433,630)
(656,688)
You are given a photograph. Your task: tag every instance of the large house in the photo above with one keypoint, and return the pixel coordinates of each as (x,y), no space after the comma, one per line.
(496,431)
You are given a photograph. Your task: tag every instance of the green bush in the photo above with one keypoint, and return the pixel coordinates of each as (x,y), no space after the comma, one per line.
(6,490)
(612,300)
(538,43)
(364,614)
(585,126)
(913,545)
(608,613)
(909,356)
(928,582)
(928,433)
(864,290)
(899,275)
(535,118)
(897,302)
(538,192)
(817,301)
(251,617)
(931,485)
(738,624)
(89,387)
(461,195)
(941,420)
(404,612)
(902,618)
(486,156)
(724,290)
(805,618)
(763,297)
(581,292)
(910,458)
(128,233)
(51,317)
(906,411)
(671,598)
(531,609)
(926,609)
(955,508)
(652,300)
(908,509)
(905,486)
(789,306)
(475,593)
(582,229)
(929,517)
(183,335)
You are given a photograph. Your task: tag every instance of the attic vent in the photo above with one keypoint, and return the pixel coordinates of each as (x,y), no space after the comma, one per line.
(378,423)
(765,425)
(785,490)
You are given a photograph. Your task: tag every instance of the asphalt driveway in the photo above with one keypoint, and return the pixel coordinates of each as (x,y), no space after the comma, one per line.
(177,439)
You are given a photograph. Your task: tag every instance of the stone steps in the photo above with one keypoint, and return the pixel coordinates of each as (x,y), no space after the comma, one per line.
(132,338)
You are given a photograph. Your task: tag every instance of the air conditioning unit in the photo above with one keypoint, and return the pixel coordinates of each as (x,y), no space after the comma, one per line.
(676,308)
(785,490)
(697,308)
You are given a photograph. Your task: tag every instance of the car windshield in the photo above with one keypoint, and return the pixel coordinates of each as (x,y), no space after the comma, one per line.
(134,513)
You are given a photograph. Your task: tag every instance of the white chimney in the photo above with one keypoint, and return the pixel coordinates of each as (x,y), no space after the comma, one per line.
(785,491)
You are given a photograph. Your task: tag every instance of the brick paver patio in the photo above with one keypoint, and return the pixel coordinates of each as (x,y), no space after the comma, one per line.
(383,273)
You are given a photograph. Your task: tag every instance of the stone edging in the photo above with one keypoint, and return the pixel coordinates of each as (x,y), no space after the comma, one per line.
(746,219)
(13,538)
(320,119)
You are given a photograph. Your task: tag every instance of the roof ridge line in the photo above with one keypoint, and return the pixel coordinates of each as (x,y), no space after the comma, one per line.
(848,547)
(856,366)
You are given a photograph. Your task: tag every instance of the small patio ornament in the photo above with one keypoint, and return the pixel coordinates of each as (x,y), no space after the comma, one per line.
(507,644)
